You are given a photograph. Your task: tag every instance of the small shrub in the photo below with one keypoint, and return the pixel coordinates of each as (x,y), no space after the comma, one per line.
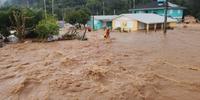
(47,27)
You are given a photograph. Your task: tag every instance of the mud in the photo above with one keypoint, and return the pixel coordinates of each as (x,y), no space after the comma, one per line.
(129,66)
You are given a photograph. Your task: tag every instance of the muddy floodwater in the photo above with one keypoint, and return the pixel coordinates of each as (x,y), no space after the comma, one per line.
(131,66)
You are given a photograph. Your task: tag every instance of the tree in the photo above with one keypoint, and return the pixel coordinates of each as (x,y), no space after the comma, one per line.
(84,16)
(80,16)
(193,7)
(96,6)
(24,20)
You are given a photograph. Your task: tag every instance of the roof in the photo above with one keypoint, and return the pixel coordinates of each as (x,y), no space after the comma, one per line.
(105,17)
(156,5)
(148,18)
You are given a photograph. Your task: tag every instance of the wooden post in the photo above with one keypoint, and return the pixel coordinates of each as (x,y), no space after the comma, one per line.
(147,28)
(155,27)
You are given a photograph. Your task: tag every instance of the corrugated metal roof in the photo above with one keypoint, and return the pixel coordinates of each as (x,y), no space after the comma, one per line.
(148,18)
(105,17)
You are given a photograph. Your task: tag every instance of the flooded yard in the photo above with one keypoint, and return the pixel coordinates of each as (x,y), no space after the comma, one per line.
(129,66)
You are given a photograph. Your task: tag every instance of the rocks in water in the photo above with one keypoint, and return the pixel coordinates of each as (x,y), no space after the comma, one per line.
(12,39)
(52,38)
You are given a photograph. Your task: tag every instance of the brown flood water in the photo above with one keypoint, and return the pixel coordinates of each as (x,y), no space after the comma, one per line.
(131,66)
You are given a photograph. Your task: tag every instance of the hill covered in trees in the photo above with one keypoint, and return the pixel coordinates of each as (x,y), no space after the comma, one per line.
(99,7)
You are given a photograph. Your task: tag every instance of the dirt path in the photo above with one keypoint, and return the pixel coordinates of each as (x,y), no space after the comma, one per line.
(132,66)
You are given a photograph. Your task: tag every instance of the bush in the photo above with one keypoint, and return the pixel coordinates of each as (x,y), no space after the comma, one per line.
(37,15)
(24,20)
(47,27)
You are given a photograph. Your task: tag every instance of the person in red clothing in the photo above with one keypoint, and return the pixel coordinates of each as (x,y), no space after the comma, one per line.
(107,33)
(89,29)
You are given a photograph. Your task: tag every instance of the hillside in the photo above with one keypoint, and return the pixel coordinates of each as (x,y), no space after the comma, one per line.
(97,6)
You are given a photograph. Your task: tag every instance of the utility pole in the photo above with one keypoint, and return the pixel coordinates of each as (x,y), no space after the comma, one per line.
(52,2)
(45,9)
(93,13)
(165,21)
(63,13)
(134,4)
(103,8)
(93,23)
(114,12)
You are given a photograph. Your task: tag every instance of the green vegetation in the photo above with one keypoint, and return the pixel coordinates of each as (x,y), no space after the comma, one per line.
(47,27)
(80,16)
(62,7)
(4,22)
(29,22)
(97,6)
(23,20)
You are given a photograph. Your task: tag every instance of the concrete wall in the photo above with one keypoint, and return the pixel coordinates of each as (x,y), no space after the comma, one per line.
(97,24)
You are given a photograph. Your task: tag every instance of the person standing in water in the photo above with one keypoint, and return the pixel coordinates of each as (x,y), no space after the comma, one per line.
(107,33)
